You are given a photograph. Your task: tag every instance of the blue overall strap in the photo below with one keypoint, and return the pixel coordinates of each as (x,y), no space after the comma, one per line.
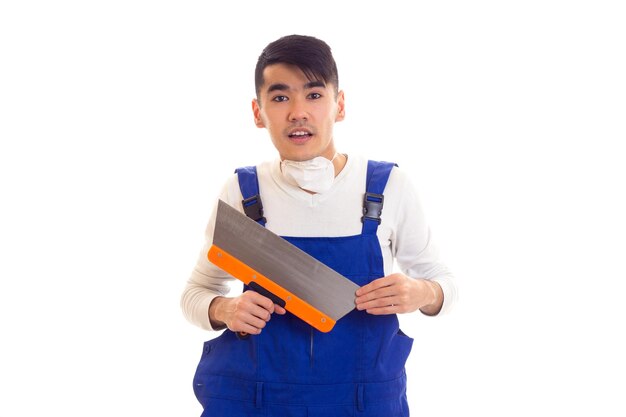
(249,186)
(377,176)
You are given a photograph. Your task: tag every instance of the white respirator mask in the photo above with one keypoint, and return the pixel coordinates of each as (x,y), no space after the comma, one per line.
(316,175)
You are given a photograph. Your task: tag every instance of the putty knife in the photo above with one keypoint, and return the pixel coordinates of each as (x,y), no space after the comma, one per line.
(279,270)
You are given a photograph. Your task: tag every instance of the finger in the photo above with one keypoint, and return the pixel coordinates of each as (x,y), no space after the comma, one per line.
(245,322)
(388,305)
(248,328)
(253,315)
(260,300)
(376,284)
(372,286)
(383,292)
(259,312)
(279,310)
(266,305)
(378,303)
(379,311)
(254,320)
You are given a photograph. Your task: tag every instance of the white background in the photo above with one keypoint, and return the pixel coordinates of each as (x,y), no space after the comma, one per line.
(120,120)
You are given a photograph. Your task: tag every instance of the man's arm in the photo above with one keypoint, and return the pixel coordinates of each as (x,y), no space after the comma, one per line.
(424,283)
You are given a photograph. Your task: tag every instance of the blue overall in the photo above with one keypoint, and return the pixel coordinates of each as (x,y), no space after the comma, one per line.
(292,369)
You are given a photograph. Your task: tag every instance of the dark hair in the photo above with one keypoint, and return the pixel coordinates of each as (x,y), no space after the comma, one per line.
(313,56)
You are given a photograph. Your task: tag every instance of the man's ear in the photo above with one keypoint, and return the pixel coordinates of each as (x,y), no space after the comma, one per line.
(256,110)
(341,107)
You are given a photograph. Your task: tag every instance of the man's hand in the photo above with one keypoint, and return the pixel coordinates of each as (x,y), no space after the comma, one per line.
(247,313)
(398,293)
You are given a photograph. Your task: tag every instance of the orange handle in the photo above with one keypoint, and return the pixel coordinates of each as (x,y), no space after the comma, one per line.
(293,304)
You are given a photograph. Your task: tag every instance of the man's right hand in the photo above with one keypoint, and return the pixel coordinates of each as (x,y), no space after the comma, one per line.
(247,313)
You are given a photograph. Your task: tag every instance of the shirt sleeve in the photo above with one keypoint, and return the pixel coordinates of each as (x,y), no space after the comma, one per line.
(208,281)
(413,246)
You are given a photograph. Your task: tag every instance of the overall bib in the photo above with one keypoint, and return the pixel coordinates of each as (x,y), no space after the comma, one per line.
(292,369)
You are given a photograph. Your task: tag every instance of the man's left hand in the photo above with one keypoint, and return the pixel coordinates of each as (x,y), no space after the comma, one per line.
(398,293)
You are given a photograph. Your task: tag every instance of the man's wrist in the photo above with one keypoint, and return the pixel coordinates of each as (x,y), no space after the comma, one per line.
(216,323)
(436,303)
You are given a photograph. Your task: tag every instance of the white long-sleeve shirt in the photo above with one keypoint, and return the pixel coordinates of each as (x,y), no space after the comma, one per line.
(403,233)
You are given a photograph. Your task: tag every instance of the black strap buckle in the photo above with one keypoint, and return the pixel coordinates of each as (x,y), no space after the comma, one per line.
(253,208)
(372,207)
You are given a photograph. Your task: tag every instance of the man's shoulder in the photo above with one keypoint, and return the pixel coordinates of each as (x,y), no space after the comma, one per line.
(258,165)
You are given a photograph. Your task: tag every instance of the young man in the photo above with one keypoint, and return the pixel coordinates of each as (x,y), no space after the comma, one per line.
(313,196)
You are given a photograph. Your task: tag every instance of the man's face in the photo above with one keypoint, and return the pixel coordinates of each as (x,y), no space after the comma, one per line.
(298,113)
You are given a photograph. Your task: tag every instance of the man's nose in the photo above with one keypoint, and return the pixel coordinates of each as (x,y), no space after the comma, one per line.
(298,110)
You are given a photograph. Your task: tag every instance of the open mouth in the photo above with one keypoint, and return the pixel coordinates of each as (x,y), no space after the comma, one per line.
(300,134)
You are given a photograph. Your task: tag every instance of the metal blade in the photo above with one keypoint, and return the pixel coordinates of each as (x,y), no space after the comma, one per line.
(283,263)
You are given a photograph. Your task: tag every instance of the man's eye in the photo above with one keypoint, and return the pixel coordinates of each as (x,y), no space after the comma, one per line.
(315,96)
(280,98)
